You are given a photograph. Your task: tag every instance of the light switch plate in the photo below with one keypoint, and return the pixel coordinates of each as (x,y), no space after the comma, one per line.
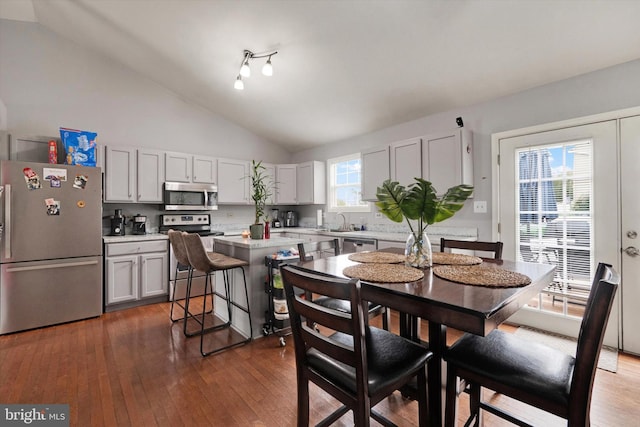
(480,206)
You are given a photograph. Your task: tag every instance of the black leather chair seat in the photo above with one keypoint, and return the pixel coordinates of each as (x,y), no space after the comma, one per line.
(389,357)
(512,361)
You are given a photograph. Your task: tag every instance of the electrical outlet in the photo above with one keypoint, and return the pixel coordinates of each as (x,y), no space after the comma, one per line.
(378,215)
(480,206)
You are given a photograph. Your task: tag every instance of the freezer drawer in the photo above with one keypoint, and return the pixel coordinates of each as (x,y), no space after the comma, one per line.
(43,293)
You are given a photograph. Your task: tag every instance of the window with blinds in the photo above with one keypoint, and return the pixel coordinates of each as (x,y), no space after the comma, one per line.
(555,193)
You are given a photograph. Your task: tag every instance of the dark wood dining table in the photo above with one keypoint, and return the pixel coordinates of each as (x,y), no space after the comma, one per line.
(474,309)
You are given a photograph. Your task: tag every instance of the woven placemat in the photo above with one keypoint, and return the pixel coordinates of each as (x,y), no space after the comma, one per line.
(377,257)
(383,273)
(482,275)
(446,258)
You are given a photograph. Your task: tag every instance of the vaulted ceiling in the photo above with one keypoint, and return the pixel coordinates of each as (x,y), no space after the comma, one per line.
(345,68)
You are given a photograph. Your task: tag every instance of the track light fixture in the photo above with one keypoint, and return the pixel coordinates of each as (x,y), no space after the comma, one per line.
(245,70)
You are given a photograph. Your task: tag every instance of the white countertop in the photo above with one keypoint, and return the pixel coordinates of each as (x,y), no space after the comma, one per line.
(134,238)
(245,242)
(434,233)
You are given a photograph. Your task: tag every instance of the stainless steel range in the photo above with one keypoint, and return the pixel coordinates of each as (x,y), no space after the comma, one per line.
(191,223)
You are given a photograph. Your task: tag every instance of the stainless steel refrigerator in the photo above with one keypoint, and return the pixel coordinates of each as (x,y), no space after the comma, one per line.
(50,245)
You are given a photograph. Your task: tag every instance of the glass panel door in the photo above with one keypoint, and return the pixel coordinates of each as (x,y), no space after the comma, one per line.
(558,199)
(555,219)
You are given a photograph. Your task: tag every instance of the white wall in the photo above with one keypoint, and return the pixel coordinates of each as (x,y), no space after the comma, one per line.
(47,82)
(601,91)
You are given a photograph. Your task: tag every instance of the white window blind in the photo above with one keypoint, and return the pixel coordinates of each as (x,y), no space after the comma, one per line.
(555,195)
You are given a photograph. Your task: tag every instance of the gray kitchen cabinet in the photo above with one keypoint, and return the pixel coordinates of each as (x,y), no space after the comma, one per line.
(150,175)
(270,173)
(135,272)
(311,183)
(286,184)
(405,161)
(178,167)
(375,169)
(120,174)
(132,175)
(205,169)
(447,159)
(233,181)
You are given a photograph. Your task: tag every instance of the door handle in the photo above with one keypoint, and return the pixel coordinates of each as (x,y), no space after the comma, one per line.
(632,251)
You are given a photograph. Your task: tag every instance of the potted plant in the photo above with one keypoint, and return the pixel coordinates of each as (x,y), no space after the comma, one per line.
(419,202)
(260,192)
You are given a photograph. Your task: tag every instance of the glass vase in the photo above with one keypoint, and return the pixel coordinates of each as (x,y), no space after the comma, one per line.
(418,251)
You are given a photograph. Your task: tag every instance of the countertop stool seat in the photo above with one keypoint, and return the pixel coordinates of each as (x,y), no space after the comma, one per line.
(180,252)
(209,263)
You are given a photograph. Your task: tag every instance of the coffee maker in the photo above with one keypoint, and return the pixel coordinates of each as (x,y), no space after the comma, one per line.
(291,219)
(275,218)
(117,223)
(139,224)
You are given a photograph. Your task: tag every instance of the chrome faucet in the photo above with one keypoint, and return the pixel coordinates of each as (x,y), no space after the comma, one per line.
(344,222)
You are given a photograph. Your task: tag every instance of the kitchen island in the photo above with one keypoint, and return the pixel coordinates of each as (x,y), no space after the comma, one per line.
(254,252)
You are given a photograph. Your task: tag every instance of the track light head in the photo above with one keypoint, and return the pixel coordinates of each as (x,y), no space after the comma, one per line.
(239,84)
(267,68)
(245,71)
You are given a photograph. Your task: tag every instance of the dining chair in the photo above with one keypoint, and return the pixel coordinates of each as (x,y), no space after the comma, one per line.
(531,372)
(210,263)
(307,251)
(180,252)
(493,247)
(357,364)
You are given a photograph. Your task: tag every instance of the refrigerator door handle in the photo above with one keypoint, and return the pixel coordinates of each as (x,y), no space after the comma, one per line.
(7,221)
(48,266)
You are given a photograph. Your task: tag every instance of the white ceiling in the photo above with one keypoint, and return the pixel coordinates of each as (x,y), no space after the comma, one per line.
(346,68)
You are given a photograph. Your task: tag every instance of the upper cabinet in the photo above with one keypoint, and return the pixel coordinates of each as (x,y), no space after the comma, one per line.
(311,183)
(150,175)
(375,169)
(270,173)
(286,184)
(447,159)
(405,161)
(233,181)
(178,167)
(120,174)
(205,169)
(133,175)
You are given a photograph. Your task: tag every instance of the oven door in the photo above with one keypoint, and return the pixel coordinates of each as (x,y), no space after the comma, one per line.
(190,197)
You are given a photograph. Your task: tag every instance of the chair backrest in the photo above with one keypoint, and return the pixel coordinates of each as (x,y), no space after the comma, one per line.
(592,329)
(352,351)
(310,250)
(196,252)
(177,244)
(494,247)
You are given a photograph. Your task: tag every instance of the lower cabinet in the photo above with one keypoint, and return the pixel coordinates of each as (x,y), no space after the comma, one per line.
(135,273)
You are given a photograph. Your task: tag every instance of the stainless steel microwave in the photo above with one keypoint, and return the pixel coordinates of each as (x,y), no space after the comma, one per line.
(180,196)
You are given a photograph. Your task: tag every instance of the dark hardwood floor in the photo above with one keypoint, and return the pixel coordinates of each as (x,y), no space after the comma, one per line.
(134,368)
